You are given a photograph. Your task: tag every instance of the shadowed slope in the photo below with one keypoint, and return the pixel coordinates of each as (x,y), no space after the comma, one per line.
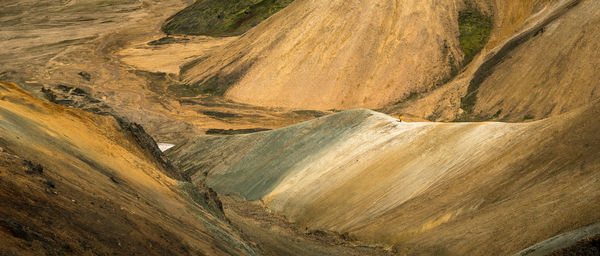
(571,243)
(222,17)
(461,188)
(76,183)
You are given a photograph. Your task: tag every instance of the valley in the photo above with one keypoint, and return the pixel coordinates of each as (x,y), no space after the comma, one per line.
(306,127)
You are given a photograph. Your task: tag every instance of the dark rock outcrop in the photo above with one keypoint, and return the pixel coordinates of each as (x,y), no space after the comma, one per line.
(147,143)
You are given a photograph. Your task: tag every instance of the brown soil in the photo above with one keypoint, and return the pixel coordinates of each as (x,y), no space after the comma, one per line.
(41,213)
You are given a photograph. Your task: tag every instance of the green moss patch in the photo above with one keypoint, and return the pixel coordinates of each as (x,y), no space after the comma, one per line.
(475,31)
(222,17)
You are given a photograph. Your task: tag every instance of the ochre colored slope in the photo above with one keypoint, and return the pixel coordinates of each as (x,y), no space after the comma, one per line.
(545,67)
(96,190)
(555,70)
(336,54)
(345,54)
(458,188)
(404,57)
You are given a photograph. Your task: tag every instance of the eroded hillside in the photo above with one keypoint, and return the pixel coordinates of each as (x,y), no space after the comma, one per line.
(422,187)
(354,182)
(414,57)
(417,59)
(112,57)
(539,63)
(336,54)
(550,69)
(77,183)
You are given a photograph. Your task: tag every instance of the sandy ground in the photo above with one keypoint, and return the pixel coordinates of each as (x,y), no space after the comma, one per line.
(102,48)
(168,58)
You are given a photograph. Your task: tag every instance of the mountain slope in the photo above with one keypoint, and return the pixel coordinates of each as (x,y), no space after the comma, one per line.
(336,54)
(77,183)
(453,188)
(409,57)
(554,69)
(539,63)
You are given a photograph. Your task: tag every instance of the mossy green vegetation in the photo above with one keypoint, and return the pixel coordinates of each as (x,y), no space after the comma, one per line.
(222,17)
(475,29)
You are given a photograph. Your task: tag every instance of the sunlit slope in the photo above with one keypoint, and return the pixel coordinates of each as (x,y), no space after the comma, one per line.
(335,54)
(457,188)
(345,54)
(550,70)
(407,57)
(96,191)
(540,62)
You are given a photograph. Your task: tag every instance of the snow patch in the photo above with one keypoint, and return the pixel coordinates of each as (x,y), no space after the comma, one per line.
(164,146)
